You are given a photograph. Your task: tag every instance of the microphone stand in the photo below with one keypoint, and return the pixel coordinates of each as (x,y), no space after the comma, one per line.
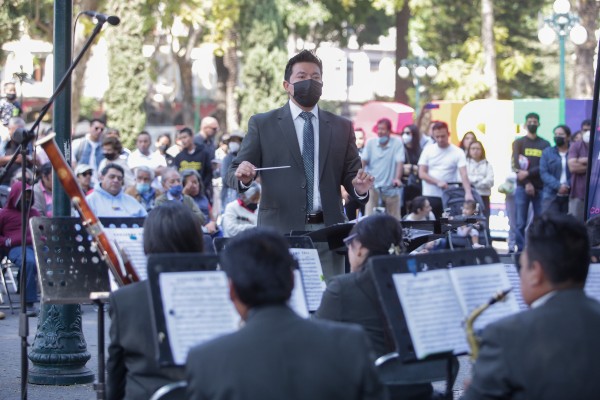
(30,135)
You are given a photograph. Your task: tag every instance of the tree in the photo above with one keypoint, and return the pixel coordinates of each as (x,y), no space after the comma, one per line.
(487,40)
(127,71)
(583,74)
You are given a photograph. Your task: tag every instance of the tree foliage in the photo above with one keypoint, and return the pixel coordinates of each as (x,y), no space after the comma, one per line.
(127,71)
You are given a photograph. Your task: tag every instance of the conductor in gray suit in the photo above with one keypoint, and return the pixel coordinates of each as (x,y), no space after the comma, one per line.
(550,351)
(277,354)
(318,146)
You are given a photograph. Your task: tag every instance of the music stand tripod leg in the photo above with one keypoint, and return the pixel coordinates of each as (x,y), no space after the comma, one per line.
(100,386)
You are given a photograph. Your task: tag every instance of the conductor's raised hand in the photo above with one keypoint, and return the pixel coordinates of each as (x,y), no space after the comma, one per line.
(245,172)
(362,182)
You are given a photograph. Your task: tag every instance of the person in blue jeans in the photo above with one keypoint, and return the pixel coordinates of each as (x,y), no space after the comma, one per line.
(555,173)
(526,155)
(10,238)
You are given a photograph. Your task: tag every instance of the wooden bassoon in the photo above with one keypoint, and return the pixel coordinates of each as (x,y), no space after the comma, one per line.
(123,275)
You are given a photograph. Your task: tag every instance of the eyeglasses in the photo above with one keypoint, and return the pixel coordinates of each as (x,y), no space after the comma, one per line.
(348,241)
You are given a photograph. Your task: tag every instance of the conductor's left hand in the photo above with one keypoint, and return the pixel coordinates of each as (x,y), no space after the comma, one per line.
(362,182)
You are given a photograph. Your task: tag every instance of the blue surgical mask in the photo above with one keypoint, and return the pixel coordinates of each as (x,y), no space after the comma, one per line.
(176,190)
(383,140)
(142,187)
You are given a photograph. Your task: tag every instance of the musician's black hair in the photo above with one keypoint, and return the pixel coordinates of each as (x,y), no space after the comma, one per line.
(172,228)
(260,267)
(113,166)
(303,56)
(379,233)
(560,244)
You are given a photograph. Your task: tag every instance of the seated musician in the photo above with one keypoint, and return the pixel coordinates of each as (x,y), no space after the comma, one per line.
(133,371)
(550,351)
(277,354)
(353,298)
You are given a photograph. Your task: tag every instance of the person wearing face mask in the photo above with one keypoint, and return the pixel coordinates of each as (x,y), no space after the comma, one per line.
(319,152)
(173,191)
(142,190)
(241,214)
(111,150)
(526,155)
(410,177)
(578,162)
(228,193)
(9,106)
(383,158)
(555,173)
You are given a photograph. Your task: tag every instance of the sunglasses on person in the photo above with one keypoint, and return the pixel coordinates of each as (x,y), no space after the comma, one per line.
(86,173)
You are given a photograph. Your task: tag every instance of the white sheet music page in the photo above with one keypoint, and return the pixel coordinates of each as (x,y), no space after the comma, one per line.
(515,282)
(131,240)
(196,308)
(477,284)
(432,312)
(592,283)
(297,301)
(312,275)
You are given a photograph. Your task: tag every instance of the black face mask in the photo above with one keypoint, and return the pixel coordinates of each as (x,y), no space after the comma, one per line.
(308,92)
(252,206)
(11,96)
(559,141)
(532,128)
(110,157)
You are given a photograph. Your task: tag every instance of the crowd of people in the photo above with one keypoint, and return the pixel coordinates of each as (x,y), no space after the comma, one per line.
(287,174)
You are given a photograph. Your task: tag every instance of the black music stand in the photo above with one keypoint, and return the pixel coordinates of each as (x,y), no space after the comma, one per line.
(171,263)
(71,271)
(333,235)
(383,267)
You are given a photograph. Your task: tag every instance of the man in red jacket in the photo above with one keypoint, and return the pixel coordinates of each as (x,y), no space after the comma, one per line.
(10,238)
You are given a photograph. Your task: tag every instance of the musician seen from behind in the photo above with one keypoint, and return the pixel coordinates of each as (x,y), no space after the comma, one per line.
(352,298)
(133,370)
(109,200)
(550,351)
(277,354)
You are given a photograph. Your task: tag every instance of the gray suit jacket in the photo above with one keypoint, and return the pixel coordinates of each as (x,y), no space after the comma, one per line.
(133,371)
(278,355)
(271,141)
(549,352)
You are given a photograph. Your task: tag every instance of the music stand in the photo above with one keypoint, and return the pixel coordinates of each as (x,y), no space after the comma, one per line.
(71,271)
(172,263)
(333,235)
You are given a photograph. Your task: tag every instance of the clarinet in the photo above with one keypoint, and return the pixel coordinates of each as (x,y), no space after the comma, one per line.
(90,221)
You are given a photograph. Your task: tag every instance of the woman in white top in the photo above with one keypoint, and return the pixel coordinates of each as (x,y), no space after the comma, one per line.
(420,210)
(480,173)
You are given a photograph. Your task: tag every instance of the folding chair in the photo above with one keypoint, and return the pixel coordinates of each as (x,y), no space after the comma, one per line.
(171,391)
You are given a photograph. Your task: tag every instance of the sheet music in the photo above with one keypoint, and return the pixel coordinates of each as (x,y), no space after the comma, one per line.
(131,240)
(432,312)
(297,301)
(196,309)
(592,283)
(477,284)
(312,275)
(515,282)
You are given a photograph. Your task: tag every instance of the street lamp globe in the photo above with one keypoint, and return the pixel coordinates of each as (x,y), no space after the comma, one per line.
(403,72)
(420,71)
(578,34)
(546,35)
(561,6)
(432,71)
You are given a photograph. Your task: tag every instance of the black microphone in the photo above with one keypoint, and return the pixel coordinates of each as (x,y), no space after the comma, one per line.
(22,136)
(111,19)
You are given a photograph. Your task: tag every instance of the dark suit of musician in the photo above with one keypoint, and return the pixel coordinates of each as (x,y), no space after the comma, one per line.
(352,298)
(550,351)
(133,371)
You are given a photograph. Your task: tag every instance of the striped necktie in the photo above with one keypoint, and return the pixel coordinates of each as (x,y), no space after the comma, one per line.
(308,155)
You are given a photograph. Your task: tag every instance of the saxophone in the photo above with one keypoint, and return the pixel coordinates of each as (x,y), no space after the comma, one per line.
(472,338)
(124,275)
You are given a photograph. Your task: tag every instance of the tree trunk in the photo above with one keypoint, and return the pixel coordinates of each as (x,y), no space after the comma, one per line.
(221,96)
(77,81)
(487,39)
(230,61)
(583,73)
(187,81)
(402,18)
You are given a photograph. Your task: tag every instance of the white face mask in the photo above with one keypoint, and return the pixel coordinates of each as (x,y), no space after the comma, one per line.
(234,147)
(406,138)
(585,136)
